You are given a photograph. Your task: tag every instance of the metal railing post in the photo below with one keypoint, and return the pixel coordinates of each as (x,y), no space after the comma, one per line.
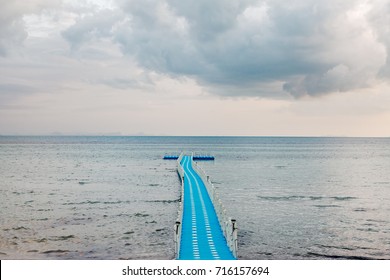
(177,227)
(177,238)
(234,236)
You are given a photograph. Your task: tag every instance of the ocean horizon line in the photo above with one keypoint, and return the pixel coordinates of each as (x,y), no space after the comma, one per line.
(186,136)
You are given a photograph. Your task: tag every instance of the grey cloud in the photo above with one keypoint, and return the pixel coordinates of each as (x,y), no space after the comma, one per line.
(11,91)
(11,34)
(208,20)
(142,81)
(379,16)
(6,89)
(93,26)
(12,26)
(306,47)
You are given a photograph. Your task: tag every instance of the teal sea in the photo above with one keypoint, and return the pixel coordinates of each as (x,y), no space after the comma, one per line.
(65,197)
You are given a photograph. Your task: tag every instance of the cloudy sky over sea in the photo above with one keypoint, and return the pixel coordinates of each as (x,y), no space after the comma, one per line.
(172,67)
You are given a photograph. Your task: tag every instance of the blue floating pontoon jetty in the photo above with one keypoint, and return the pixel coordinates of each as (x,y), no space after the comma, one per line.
(203,231)
(203,157)
(195,157)
(170,157)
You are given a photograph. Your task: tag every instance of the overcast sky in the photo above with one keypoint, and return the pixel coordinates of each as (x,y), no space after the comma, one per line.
(196,67)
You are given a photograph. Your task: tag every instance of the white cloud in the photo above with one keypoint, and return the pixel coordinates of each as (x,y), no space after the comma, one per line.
(12,25)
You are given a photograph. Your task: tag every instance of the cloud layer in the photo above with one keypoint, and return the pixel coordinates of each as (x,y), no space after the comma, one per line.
(255,48)
(97,66)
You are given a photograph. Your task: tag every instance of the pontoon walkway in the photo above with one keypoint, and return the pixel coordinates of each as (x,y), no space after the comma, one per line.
(201,235)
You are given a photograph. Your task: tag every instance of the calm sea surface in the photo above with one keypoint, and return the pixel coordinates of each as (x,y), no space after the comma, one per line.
(115,198)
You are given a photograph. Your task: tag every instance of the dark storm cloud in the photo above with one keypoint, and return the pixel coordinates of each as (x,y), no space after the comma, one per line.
(306,47)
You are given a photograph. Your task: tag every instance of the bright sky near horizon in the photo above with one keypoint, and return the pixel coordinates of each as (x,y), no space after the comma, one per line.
(197,67)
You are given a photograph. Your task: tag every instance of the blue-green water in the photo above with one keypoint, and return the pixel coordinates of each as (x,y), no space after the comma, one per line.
(115,198)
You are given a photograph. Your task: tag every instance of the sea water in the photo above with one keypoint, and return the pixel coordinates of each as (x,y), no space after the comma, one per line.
(116,198)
